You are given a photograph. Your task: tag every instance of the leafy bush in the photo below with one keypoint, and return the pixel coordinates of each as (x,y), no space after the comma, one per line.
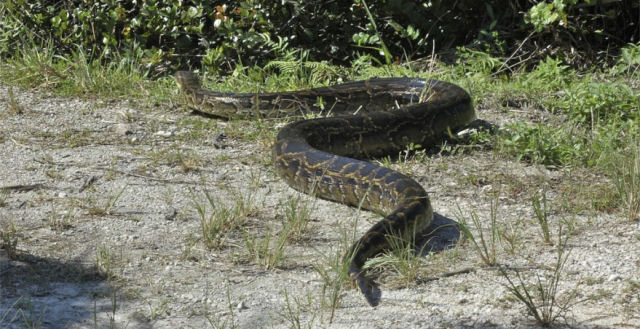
(193,32)
(580,28)
(242,30)
(600,102)
(549,146)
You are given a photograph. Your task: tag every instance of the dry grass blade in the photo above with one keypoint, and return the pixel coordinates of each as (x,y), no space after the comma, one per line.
(484,244)
(627,181)
(219,218)
(9,236)
(540,208)
(543,299)
(14,106)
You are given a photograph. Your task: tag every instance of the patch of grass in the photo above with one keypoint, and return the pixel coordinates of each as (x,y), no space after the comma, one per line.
(9,235)
(549,76)
(173,157)
(107,208)
(297,212)
(186,163)
(7,311)
(260,131)
(414,153)
(385,161)
(190,244)
(596,112)
(14,107)
(626,177)
(595,103)
(4,194)
(511,234)
(196,129)
(36,65)
(61,221)
(157,309)
(631,289)
(294,309)
(334,276)
(542,298)
(106,262)
(476,62)
(218,219)
(616,145)
(75,138)
(585,191)
(267,250)
(600,294)
(593,281)
(539,203)
(485,244)
(32,66)
(31,316)
(551,146)
(69,138)
(53,173)
(217,321)
(401,258)
(114,307)
(110,174)
(334,272)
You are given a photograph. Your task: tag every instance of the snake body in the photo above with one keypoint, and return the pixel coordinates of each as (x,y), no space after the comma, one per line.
(324,156)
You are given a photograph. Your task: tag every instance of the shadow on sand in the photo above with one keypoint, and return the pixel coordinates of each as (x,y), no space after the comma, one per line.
(39,292)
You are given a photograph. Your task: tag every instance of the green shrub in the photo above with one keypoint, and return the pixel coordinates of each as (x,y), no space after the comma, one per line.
(169,33)
(591,102)
(543,144)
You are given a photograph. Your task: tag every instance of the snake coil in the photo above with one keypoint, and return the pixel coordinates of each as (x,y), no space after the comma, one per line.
(324,156)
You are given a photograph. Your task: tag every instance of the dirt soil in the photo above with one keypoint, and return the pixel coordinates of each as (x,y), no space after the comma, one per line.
(102,198)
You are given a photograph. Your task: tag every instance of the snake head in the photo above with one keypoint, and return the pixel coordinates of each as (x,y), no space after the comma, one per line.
(367,286)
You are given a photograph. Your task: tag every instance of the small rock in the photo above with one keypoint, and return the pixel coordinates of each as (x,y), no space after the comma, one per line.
(163,133)
(614,277)
(172,215)
(123,129)
(487,188)
(126,114)
(241,306)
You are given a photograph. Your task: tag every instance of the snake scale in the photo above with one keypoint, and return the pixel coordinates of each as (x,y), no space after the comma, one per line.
(324,156)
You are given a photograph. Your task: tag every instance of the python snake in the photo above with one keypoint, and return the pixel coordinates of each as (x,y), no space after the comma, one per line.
(322,156)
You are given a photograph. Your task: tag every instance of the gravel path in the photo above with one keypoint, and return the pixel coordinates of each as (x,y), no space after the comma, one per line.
(102,197)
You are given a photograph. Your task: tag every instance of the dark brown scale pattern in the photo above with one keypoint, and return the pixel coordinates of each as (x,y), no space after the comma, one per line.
(321,156)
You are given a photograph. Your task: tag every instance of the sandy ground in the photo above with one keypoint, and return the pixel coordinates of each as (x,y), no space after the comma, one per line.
(102,196)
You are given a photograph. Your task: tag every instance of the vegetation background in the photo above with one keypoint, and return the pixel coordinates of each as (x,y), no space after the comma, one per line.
(166,35)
